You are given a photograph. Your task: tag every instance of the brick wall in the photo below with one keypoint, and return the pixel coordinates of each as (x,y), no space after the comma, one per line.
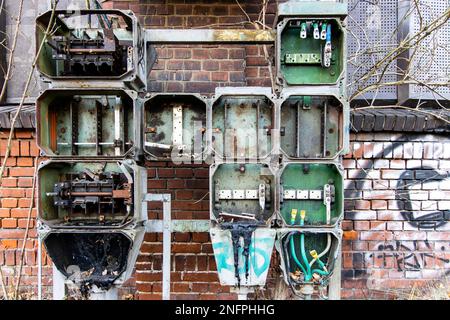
(397,230)
(385,245)
(15,198)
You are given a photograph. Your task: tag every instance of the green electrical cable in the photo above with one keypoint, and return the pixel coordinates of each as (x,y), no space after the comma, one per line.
(294,255)
(308,275)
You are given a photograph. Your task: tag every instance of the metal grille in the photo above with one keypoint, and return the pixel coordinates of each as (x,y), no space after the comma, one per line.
(372,26)
(432,62)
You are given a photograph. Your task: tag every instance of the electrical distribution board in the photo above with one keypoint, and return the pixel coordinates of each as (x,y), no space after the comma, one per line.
(311,59)
(275,177)
(91,189)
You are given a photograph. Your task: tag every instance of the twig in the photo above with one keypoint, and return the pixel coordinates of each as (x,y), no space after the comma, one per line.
(25,237)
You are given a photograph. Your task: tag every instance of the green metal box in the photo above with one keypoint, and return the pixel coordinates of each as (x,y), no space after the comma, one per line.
(242,192)
(311,194)
(92,48)
(87,123)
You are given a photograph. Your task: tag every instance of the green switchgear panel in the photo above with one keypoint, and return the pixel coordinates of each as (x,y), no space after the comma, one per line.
(311,51)
(92,45)
(242,192)
(86,123)
(312,127)
(102,194)
(311,194)
(91,191)
(175,127)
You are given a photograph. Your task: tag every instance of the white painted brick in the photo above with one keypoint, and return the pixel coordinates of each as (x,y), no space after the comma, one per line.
(391,174)
(410,164)
(408,227)
(418,195)
(379,195)
(431,185)
(418,150)
(429,205)
(397,164)
(349,164)
(444,164)
(446,151)
(415,205)
(365,215)
(444,184)
(368,147)
(413,274)
(408,150)
(428,150)
(381,164)
(444,227)
(381,184)
(444,205)
(387,145)
(438,150)
(398,152)
(390,215)
(439,195)
(410,235)
(397,225)
(378,149)
(430,163)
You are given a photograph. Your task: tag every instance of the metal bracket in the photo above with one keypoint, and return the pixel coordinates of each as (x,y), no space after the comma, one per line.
(205,36)
(177,134)
(166,199)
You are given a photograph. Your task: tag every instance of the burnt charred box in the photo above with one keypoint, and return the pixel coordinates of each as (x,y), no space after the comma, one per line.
(94,258)
(95,46)
(175,127)
(91,195)
(86,123)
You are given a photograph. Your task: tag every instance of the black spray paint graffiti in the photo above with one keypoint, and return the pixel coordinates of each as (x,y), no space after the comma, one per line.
(429,220)
(406,258)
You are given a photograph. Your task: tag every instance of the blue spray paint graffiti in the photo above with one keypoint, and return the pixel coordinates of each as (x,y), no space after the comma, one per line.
(259,257)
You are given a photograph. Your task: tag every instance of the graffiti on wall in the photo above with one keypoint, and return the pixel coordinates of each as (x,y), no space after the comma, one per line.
(406,182)
(407,256)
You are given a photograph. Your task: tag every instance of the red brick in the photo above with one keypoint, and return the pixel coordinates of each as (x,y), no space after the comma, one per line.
(5,213)
(24,148)
(21,172)
(8,223)
(9,182)
(15,148)
(350,235)
(8,244)
(12,193)
(34,150)
(23,134)
(9,203)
